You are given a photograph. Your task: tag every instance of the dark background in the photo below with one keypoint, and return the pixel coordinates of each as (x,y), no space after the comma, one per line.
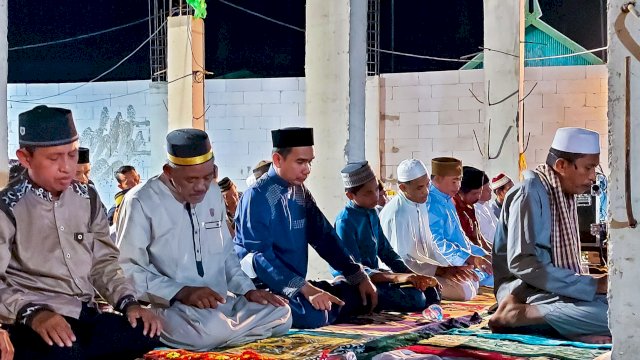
(237,41)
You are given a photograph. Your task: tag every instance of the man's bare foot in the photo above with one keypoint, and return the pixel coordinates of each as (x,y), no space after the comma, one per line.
(591,339)
(504,316)
(511,313)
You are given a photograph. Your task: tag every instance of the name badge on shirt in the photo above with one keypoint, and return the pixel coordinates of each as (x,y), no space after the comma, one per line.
(79,237)
(212,225)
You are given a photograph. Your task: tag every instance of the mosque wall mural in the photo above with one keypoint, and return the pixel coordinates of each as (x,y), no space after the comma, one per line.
(119,139)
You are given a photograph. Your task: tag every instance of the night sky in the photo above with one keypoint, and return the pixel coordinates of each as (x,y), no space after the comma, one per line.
(239,41)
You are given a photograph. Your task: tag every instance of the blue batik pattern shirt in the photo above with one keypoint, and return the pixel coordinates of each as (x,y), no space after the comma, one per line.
(275,223)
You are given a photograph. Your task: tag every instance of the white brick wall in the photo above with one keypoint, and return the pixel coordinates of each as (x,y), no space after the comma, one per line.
(448,114)
(243,112)
(423,115)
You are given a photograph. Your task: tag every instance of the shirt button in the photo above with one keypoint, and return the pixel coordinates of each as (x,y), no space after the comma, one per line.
(68,256)
(61,228)
(56,204)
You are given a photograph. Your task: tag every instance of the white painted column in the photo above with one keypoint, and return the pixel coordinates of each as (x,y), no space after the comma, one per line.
(501,33)
(4,121)
(185,54)
(335,75)
(624,244)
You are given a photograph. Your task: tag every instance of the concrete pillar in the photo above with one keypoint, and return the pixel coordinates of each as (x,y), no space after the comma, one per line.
(624,244)
(335,75)
(501,74)
(197,64)
(372,124)
(156,100)
(4,121)
(185,54)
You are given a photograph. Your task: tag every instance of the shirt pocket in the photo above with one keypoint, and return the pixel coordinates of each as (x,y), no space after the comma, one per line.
(210,225)
(81,252)
(212,236)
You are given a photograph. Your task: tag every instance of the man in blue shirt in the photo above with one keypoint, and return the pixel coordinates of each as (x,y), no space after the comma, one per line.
(277,219)
(445,224)
(359,229)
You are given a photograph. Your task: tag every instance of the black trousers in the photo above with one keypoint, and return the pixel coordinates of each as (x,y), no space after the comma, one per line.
(98,336)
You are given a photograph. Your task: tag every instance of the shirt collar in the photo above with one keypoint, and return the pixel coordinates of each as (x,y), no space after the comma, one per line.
(352,205)
(168,186)
(460,203)
(37,189)
(406,200)
(434,191)
(276,178)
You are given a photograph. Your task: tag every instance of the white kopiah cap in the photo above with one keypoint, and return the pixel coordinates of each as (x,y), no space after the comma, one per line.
(411,169)
(577,141)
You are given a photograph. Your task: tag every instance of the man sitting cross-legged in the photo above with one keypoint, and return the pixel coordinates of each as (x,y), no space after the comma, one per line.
(277,220)
(536,254)
(359,229)
(405,222)
(176,247)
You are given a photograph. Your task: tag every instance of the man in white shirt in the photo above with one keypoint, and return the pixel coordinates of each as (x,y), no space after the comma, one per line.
(405,222)
(176,247)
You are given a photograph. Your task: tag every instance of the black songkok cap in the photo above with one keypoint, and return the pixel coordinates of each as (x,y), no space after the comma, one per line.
(188,147)
(46,126)
(292,137)
(83,155)
(225,184)
(472,179)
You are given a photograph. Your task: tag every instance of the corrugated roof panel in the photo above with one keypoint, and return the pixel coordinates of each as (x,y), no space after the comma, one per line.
(540,44)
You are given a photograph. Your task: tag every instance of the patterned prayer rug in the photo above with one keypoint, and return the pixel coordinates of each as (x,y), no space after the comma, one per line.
(480,304)
(386,323)
(296,346)
(381,324)
(459,353)
(453,339)
(188,355)
(302,346)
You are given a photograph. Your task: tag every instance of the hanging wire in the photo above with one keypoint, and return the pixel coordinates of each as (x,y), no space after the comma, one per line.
(55,42)
(106,72)
(95,100)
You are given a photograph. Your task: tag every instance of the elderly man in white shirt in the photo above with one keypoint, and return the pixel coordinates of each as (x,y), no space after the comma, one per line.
(175,245)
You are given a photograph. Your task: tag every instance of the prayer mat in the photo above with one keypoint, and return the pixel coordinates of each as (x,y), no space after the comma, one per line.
(479,304)
(188,355)
(296,346)
(378,324)
(303,346)
(461,353)
(528,339)
(392,342)
(508,347)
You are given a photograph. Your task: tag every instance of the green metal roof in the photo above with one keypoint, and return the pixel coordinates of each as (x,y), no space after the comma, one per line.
(542,41)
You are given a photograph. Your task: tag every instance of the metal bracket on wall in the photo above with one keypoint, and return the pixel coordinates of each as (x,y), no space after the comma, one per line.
(504,139)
